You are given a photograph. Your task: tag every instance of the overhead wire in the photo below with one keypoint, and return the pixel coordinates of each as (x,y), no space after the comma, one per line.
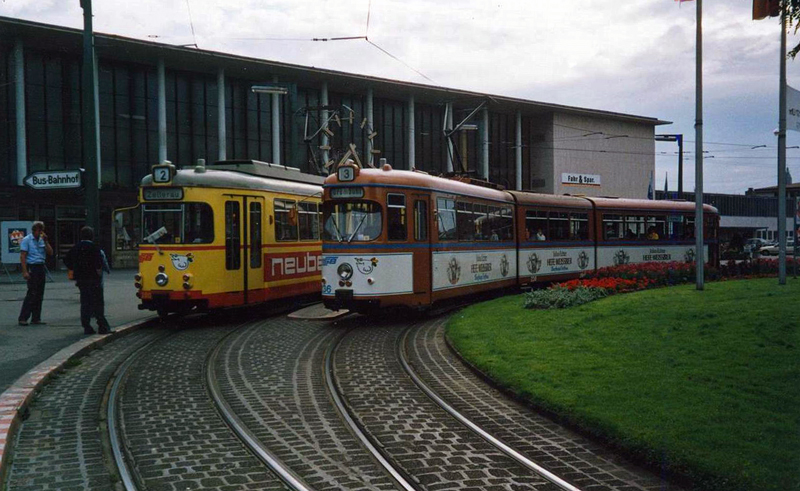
(191,23)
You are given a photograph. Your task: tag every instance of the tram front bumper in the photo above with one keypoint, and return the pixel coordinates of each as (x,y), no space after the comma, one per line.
(343,299)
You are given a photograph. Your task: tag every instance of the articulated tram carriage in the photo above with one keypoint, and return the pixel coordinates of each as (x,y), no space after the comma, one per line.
(228,234)
(406,238)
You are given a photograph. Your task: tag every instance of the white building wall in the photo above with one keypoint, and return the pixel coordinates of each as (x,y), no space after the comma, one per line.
(621,153)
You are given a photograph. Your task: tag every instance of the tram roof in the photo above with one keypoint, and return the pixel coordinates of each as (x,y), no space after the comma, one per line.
(231,179)
(647,204)
(538,199)
(420,180)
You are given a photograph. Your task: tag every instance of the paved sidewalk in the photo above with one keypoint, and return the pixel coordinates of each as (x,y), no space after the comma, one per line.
(24,347)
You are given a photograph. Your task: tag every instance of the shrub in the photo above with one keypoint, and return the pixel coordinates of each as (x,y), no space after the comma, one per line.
(559,297)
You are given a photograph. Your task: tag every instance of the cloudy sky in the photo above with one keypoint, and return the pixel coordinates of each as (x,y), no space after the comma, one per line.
(636,56)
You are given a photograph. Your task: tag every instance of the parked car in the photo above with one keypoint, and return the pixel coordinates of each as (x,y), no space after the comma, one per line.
(772,249)
(754,244)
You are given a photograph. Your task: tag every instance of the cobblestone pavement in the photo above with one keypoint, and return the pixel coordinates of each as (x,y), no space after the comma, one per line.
(173,432)
(272,376)
(428,444)
(580,462)
(59,445)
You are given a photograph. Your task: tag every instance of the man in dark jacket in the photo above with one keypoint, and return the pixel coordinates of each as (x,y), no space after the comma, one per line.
(86,262)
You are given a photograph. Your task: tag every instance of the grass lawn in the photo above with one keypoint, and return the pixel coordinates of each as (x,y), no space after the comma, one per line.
(706,383)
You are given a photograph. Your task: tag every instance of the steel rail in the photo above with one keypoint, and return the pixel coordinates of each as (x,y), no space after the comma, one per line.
(245,435)
(125,473)
(474,427)
(333,390)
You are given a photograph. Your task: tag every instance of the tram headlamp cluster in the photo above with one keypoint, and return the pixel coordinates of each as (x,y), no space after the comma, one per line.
(162,279)
(138,282)
(345,271)
(187,285)
(161,268)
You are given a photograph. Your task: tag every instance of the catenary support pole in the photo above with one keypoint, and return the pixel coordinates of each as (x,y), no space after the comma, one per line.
(89,112)
(782,156)
(449,127)
(323,97)
(370,126)
(19,96)
(162,111)
(518,153)
(698,146)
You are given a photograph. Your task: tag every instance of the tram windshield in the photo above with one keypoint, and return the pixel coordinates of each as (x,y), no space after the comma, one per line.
(358,221)
(177,223)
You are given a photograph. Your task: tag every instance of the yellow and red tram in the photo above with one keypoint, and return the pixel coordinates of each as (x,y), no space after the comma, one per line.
(405,238)
(232,233)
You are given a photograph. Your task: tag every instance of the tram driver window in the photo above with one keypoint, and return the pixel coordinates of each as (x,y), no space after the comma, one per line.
(396,217)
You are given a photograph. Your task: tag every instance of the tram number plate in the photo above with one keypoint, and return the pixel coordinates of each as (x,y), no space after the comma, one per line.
(344,193)
(160,194)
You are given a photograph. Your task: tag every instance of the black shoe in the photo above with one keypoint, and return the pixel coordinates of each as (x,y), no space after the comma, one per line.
(106,331)
(23,323)
(88,330)
(39,323)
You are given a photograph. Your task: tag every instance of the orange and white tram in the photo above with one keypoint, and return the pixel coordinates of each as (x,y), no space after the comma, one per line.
(406,238)
(232,233)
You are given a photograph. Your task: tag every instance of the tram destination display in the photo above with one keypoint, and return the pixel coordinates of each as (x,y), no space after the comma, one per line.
(162,194)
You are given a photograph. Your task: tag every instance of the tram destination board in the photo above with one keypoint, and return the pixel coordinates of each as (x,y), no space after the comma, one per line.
(53,179)
(162,194)
(347,193)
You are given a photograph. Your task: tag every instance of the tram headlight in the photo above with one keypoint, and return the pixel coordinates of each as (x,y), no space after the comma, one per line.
(162,279)
(345,271)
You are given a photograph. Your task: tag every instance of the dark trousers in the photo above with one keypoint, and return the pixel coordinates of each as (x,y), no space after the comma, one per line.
(92,304)
(32,305)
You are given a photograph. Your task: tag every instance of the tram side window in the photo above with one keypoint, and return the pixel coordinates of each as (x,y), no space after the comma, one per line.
(285,220)
(309,221)
(480,219)
(505,223)
(688,227)
(233,240)
(535,222)
(255,235)
(579,226)
(446,214)
(396,217)
(559,225)
(711,228)
(420,220)
(613,227)
(675,227)
(634,227)
(465,222)
(655,228)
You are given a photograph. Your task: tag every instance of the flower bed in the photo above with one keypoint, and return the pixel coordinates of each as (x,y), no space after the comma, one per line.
(635,277)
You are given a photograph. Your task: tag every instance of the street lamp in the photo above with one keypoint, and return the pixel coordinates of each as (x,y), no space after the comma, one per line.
(675,138)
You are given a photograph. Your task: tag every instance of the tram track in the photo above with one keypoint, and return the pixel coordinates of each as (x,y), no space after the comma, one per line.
(475,428)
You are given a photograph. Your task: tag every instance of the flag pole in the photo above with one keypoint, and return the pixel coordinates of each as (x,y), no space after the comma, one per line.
(782,156)
(698,146)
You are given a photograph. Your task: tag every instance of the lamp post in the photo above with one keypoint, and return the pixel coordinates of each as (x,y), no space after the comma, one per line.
(675,138)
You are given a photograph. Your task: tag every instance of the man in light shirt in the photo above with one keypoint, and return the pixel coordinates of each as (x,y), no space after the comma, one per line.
(34,248)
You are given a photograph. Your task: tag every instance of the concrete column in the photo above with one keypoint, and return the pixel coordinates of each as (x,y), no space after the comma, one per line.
(484,167)
(370,126)
(19,93)
(449,127)
(323,97)
(412,158)
(276,126)
(518,156)
(221,133)
(99,155)
(162,112)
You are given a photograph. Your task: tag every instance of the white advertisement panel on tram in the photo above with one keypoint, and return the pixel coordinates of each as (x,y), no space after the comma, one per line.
(555,261)
(452,269)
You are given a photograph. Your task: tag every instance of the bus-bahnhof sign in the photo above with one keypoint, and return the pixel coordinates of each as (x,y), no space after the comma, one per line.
(54,179)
